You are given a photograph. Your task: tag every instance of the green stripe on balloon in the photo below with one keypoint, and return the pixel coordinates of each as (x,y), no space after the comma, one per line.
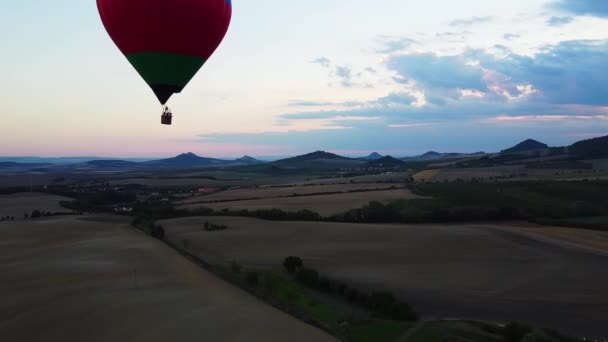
(166,73)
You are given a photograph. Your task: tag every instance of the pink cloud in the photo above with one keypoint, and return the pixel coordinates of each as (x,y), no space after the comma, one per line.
(530,118)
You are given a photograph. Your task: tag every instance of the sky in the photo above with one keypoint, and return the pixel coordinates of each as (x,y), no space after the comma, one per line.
(400,77)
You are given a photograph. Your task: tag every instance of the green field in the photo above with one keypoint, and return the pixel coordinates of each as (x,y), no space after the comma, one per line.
(457,202)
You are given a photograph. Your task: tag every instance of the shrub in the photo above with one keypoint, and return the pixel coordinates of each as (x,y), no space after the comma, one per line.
(293,264)
(515,332)
(157,231)
(236,267)
(351,295)
(403,311)
(251,278)
(325,284)
(36,214)
(308,276)
(382,302)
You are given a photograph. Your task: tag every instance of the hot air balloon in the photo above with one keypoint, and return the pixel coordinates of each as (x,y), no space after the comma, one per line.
(166,41)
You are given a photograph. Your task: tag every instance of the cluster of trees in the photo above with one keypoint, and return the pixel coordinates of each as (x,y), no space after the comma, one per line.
(99,201)
(265,214)
(148,225)
(210,227)
(7,218)
(380,302)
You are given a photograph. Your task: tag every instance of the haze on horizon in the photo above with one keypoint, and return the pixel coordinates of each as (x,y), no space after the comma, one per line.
(393,76)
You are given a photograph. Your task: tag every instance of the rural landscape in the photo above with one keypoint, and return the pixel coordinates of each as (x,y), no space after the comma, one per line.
(321,171)
(504,246)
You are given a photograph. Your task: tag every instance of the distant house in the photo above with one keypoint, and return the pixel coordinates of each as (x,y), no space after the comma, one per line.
(123,210)
(206,190)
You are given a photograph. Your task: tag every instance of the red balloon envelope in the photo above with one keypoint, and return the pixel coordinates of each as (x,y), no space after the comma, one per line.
(167,41)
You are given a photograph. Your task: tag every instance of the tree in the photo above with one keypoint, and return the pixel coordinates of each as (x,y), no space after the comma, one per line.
(293,264)
(36,214)
(26,216)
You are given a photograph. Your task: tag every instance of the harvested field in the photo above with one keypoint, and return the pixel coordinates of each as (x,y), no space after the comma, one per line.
(325,205)
(389,177)
(592,240)
(465,271)
(68,279)
(426,175)
(18,204)
(174,182)
(273,192)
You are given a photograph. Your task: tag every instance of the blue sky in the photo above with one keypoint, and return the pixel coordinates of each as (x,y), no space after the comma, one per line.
(394,76)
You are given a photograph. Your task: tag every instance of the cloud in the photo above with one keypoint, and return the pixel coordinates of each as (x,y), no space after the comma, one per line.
(528,118)
(345,74)
(411,125)
(511,36)
(305,103)
(391,44)
(437,72)
(565,78)
(441,100)
(559,21)
(571,72)
(322,61)
(597,8)
(471,21)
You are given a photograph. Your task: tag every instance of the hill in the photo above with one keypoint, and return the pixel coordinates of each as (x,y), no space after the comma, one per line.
(101,165)
(318,160)
(185,160)
(249,160)
(11,165)
(591,148)
(527,145)
(372,156)
(385,162)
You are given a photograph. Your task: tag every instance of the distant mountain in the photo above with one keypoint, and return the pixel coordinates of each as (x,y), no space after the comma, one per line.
(318,160)
(373,156)
(431,155)
(102,164)
(592,148)
(249,160)
(387,161)
(186,160)
(10,165)
(525,146)
(61,160)
(318,155)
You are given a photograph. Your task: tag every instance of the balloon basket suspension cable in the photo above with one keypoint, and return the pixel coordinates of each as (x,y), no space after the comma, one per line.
(167,117)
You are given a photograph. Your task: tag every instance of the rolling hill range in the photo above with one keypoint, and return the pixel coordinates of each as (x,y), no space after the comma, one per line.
(528,151)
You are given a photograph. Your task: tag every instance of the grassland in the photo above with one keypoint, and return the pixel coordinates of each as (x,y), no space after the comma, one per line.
(21,203)
(323,204)
(470,270)
(97,279)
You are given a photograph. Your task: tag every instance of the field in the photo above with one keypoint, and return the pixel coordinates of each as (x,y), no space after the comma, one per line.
(463,271)
(97,279)
(323,204)
(592,240)
(285,191)
(18,204)
(512,173)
